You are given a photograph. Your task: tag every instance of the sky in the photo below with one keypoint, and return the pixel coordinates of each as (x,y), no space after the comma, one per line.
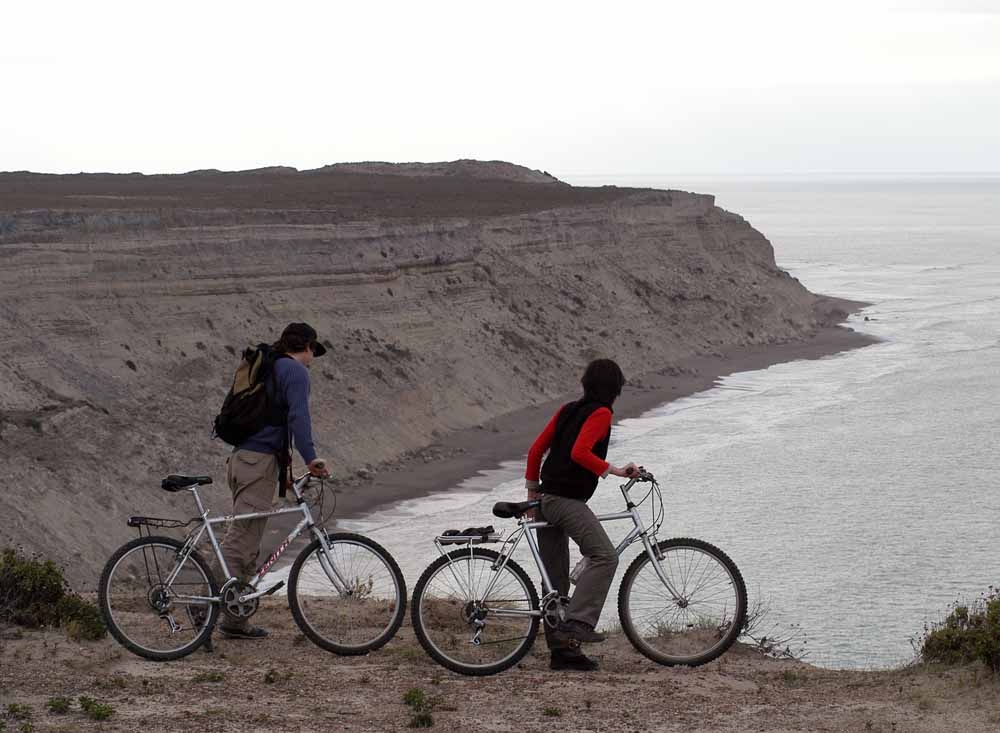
(574,88)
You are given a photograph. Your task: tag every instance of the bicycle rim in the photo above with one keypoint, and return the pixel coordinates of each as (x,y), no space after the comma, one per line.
(697,626)
(452,596)
(358,618)
(149,617)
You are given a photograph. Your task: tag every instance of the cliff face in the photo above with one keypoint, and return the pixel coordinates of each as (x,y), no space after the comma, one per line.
(120,323)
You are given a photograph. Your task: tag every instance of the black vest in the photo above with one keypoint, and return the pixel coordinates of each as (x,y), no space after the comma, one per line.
(561,475)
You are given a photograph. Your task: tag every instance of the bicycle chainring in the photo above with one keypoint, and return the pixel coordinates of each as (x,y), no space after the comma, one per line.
(231,601)
(554,609)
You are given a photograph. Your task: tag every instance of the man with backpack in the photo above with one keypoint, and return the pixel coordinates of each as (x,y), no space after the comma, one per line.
(264,414)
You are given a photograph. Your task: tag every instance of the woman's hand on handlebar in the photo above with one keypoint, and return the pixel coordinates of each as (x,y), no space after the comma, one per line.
(629,470)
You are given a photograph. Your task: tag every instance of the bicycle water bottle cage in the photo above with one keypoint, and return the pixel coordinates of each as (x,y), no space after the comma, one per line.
(176,482)
(508,509)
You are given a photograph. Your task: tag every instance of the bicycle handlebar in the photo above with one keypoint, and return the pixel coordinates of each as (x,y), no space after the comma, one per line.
(641,476)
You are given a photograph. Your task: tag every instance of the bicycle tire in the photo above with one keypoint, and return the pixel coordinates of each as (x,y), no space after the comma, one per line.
(452,615)
(321,616)
(679,636)
(115,613)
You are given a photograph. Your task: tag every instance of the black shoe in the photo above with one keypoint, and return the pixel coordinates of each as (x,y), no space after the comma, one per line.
(572,660)
(198,616)
(243,632)
(578,631)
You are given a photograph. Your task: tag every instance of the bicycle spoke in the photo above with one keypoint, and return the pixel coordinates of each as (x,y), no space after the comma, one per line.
(696,625)
(148,616)
(362,616)
(450,615)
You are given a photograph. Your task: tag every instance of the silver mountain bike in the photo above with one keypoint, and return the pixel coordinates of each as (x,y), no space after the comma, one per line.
(161,600)
(476,612)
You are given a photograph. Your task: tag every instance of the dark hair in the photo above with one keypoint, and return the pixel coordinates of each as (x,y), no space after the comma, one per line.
(602,381)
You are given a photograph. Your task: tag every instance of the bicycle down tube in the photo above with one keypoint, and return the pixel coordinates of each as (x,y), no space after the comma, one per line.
(329,568)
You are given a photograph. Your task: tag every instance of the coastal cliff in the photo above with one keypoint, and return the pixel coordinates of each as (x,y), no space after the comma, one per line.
(445,300)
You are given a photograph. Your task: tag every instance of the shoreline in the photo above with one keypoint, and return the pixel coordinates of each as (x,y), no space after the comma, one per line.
(462,454)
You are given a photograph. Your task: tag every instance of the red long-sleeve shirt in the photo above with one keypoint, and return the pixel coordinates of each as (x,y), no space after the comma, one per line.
(594,429)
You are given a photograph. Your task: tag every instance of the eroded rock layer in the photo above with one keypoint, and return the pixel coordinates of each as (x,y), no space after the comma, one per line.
(444,301)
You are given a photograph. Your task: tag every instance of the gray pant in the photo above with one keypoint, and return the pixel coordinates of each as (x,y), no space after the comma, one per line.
(573,518)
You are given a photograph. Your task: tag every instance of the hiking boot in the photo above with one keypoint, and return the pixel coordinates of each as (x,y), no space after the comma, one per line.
(564,659)
(243,632)
(576,631)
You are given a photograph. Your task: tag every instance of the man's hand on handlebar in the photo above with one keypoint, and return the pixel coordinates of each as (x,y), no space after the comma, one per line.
(317,467)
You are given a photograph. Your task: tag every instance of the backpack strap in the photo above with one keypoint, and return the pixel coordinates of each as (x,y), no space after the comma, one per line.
(284,455)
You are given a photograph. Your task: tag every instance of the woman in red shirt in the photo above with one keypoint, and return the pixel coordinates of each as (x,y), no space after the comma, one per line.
(576,443)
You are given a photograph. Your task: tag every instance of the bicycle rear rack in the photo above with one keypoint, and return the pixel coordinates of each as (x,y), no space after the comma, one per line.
(157,522)
(469,539)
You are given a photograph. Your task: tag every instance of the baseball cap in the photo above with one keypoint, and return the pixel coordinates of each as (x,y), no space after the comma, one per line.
(301,336)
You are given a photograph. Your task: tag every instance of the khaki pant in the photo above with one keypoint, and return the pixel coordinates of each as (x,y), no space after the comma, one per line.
(573,518)
(252,478)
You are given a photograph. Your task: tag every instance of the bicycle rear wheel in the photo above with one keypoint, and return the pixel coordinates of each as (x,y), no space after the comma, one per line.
(462,593)
(359,618)
(148,615)
(699,624)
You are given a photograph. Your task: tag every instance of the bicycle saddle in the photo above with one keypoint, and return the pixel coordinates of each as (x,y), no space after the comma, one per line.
(176,482)
(508,509)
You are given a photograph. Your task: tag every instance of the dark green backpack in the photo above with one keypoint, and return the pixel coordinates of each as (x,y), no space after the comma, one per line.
(248,408)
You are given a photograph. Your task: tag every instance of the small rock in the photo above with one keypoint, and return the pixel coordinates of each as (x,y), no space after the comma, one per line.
(366,473)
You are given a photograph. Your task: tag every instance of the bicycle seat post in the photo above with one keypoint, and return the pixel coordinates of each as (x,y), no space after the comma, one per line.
(197,500)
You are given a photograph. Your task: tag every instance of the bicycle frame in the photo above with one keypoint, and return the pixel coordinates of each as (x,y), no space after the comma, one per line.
(307,522)
(528,528)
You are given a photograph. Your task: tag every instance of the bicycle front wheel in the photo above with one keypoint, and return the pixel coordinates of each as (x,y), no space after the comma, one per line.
(354,604)
(473,615)
(157,601)
(697,624)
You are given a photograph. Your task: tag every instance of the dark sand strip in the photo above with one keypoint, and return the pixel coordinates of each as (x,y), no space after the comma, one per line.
(508,437)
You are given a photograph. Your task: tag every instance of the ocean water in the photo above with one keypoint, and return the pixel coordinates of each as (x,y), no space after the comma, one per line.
(858,493)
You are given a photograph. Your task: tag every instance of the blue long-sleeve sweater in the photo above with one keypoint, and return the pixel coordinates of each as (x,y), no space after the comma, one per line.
(293,390)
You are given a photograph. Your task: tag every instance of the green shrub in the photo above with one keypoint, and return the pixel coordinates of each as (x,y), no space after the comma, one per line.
(422,720)
(80,619)
(29,590)
(210,676)
(969,633)
(59,705)
(95,710)
(34,593)
(415,698)
(16,711)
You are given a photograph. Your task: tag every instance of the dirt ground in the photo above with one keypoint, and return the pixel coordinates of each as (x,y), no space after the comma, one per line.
(286,683)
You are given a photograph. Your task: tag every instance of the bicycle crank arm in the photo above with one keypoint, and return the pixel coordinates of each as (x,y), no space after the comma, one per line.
(262,593)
